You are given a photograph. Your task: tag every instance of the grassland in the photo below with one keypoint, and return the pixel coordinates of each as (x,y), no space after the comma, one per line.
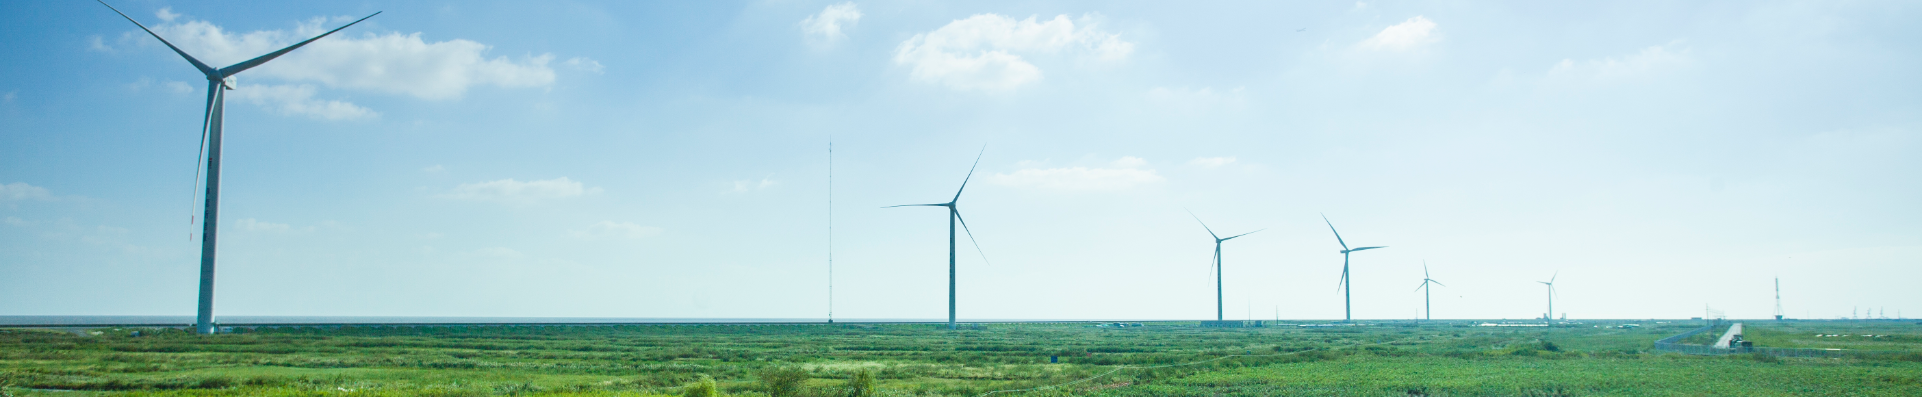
(1161,359)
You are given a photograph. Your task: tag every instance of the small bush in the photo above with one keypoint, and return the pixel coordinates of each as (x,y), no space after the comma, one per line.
(862,384)
(701,388)
(783,381)
(515,389)
(1550,346)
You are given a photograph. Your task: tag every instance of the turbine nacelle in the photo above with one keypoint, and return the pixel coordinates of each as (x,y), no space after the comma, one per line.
(1362,249)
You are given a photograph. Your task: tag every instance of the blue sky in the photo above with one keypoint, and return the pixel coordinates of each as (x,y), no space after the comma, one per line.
(669,159)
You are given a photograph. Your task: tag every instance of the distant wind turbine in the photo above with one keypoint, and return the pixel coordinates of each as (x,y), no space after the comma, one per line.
(1347,285)
(1551,295)
(218,80)
(1425,281)
(954,215)
(1218,241)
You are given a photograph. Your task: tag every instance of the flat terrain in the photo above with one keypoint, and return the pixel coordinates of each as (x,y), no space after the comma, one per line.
(1159,359)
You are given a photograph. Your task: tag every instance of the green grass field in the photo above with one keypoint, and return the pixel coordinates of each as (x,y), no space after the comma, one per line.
(1161,359)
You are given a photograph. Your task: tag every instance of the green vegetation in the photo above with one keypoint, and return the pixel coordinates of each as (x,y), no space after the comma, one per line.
(1161,359)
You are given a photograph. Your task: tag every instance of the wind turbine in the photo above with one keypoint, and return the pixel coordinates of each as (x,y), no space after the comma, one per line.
(1218,241)
(218,80)
(954,215)
(1425,281)
(1551,296)
(1348,287)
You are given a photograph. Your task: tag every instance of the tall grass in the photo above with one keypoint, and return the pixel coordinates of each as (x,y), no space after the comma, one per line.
(1439,358)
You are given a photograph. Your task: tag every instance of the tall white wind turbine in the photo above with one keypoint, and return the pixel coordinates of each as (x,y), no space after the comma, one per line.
(1428,308)
(954,215)
(1347,285)
(1218,241)
(1551,296)
(218,80)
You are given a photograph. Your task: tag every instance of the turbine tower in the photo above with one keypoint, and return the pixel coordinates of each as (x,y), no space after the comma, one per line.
(1346,285)
(1778,299)
(218,80)
(1218,241)
(1427,306)
(1551,296)
(954,215)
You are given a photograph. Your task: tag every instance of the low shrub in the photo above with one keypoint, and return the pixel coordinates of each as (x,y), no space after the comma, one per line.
(705,387)
(862,384)
(782,381)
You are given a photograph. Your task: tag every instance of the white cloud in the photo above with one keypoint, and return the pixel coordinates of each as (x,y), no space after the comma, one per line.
(166,14)
(1403,36)
(584,64)
(292,99)
(612,229)
(1650,59)
(19,191)
(745,186)
(1212,162)
(981,52)
(255,225)
(1126,174)
(18,222)
(828,25)
(178,87)
(434,169)
(509,190)
(10,96)
(392,62)
(97,43)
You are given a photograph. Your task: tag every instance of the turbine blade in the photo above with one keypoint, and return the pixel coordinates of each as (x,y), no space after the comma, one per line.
(1204,225)
(964,227)
(964,181)
(1239,235)
(1331,227)
(1344,280)
(1438,283)
(1424,269)
(917,205)
(1212,262)
(251,63)
(1366,248)
(204,69)
(1424,284)
(1551,279)
(206,128)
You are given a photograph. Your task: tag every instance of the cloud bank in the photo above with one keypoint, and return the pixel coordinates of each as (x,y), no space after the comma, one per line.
(1404,36)
(827,26)
(298,99)
(1125,173)
(984,52)
(514,191)
(21,191)
(390,63)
